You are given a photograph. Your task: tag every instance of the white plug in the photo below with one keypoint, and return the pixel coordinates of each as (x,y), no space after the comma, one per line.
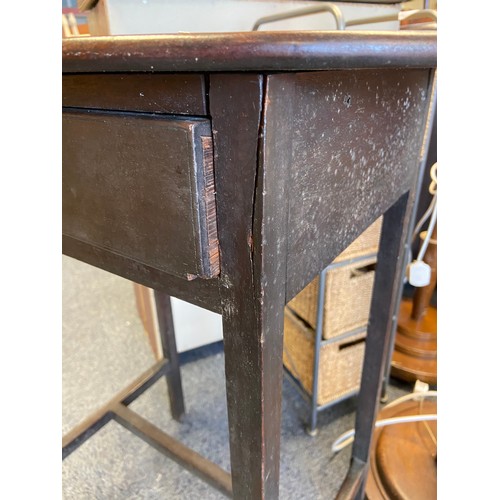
(420,386)
(419,273)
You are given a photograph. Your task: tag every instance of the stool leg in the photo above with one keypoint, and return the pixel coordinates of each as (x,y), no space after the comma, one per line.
(167,336)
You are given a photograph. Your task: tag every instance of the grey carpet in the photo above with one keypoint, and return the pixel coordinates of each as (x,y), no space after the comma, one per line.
(105,348)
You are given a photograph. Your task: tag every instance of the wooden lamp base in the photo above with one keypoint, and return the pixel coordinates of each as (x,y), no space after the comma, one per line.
(415,346)
(403,460)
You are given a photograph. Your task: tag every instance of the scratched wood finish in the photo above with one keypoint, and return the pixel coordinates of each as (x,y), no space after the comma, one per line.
(136,185)
(251,51)
(355,139)
(252,274)
(235,107)
(182,94)
(270,240)
(256,138)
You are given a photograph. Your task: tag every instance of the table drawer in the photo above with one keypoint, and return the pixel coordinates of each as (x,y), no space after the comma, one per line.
(181,94)
(141,186)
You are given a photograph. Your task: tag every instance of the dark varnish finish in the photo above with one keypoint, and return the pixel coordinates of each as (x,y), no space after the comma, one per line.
(355,139)
(256,200)
(251,51)
(169,348)
(138,189)
(148,92)
(252,330)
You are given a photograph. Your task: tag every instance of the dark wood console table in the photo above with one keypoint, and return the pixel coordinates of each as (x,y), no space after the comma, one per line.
(228,170)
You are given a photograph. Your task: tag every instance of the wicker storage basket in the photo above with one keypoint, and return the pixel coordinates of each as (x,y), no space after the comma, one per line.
(348,289)
(340,363)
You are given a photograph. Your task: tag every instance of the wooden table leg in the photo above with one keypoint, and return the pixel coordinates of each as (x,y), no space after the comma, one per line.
(167,337)
(250,179)
(386,289)
(253,342)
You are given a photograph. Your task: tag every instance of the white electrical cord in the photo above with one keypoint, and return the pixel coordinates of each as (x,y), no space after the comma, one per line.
(413,395)
(348,437)
(432,223)
(421,222)
(428,233)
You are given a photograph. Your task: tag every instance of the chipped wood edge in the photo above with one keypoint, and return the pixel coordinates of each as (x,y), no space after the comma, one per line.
(208,197)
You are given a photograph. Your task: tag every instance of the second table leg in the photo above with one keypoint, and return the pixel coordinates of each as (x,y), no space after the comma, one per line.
(169,347)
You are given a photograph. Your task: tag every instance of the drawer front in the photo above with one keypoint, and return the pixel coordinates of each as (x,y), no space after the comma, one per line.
(182,94)
(141,186)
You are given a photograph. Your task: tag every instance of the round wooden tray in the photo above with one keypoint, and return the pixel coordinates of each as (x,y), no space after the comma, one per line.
(403,460)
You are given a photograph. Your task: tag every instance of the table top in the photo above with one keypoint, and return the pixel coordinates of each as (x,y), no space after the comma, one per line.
(251,51)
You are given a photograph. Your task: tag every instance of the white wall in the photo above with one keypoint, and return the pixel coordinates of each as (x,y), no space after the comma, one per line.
(159,16)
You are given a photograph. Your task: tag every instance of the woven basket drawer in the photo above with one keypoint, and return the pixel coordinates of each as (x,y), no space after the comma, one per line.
(348,293)
(340,363)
